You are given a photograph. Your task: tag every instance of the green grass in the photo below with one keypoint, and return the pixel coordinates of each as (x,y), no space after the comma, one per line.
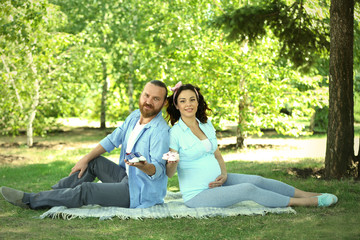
(39,168)
(357,107)
(269,133)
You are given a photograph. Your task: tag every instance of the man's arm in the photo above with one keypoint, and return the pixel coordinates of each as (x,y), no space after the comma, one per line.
(82,164)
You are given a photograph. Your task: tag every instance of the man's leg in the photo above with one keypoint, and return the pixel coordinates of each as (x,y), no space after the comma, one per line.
(104,194)
(101,167)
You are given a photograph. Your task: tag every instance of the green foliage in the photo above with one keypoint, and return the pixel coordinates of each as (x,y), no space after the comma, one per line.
(76,45)
(300,34)
(357,107)
(34,53)
(321,119)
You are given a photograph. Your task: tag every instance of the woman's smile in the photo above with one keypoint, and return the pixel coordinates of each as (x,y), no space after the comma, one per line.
(187,103)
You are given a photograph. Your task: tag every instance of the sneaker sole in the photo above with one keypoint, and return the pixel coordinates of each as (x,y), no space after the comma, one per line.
(133,161)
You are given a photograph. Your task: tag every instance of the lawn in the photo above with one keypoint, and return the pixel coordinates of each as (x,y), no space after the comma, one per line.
(37,168)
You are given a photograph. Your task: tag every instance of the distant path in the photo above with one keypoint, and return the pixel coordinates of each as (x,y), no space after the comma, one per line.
(270,149)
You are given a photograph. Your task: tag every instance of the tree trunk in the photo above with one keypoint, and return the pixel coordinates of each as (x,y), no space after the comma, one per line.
(239,133)
(32,114)
(105,90)
(34,105)
(240,138)
(340,137)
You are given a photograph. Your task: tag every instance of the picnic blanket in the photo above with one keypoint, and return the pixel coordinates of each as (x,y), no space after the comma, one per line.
(172,207)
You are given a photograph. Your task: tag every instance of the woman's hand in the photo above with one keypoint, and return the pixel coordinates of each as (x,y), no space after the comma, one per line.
(172,159)
(219,181)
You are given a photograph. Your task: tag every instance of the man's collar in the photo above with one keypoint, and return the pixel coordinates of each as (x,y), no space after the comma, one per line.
(153,121)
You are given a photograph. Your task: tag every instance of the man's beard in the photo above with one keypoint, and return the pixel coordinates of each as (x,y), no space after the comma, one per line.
(149,112)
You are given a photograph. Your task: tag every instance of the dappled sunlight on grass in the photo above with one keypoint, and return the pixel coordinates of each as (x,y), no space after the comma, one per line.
(38,168)
(59,146)
(174,189)
(276,149)
(4,214)
(273,149)
(37,229)
(73,136)
(34,177)
(21,156)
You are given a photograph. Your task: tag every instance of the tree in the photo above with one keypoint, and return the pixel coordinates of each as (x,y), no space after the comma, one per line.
(296,29)
(25,55)
(302,35)
(92,22)
(36,62)
(127,32)
(270,29)
(229,76)
(340,160)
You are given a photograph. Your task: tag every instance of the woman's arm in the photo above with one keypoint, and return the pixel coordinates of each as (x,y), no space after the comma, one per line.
(221,161)
(220,180)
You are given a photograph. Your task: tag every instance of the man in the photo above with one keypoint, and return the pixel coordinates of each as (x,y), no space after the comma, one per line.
(129,184)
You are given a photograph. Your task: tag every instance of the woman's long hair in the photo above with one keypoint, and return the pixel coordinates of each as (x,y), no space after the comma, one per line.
(173,114)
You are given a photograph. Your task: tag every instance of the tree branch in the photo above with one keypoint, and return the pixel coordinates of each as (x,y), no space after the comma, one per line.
(222,10)
(12,82)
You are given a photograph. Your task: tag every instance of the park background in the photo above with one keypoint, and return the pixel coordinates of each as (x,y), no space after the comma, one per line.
(71,71)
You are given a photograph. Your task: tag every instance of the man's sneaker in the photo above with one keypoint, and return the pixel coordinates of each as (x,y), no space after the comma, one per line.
(140,157)
(13,196)
(131,158)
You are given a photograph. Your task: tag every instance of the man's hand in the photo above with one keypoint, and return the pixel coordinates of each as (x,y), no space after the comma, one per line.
(81,166)
(219,181)
(144,166)
(139,164)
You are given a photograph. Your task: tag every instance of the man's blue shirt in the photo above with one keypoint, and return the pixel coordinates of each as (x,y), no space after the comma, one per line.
(152,143)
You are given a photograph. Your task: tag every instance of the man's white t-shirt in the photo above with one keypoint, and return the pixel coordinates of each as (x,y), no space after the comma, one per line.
(131,141)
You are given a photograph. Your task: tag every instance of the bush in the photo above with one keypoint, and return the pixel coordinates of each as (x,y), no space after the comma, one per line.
(319,120)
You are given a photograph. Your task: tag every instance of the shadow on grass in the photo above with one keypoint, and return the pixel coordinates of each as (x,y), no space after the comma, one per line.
(34,176)
(74,135)
(306,168)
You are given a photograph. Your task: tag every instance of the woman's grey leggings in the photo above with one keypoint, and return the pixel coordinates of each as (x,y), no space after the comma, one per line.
(242,187)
